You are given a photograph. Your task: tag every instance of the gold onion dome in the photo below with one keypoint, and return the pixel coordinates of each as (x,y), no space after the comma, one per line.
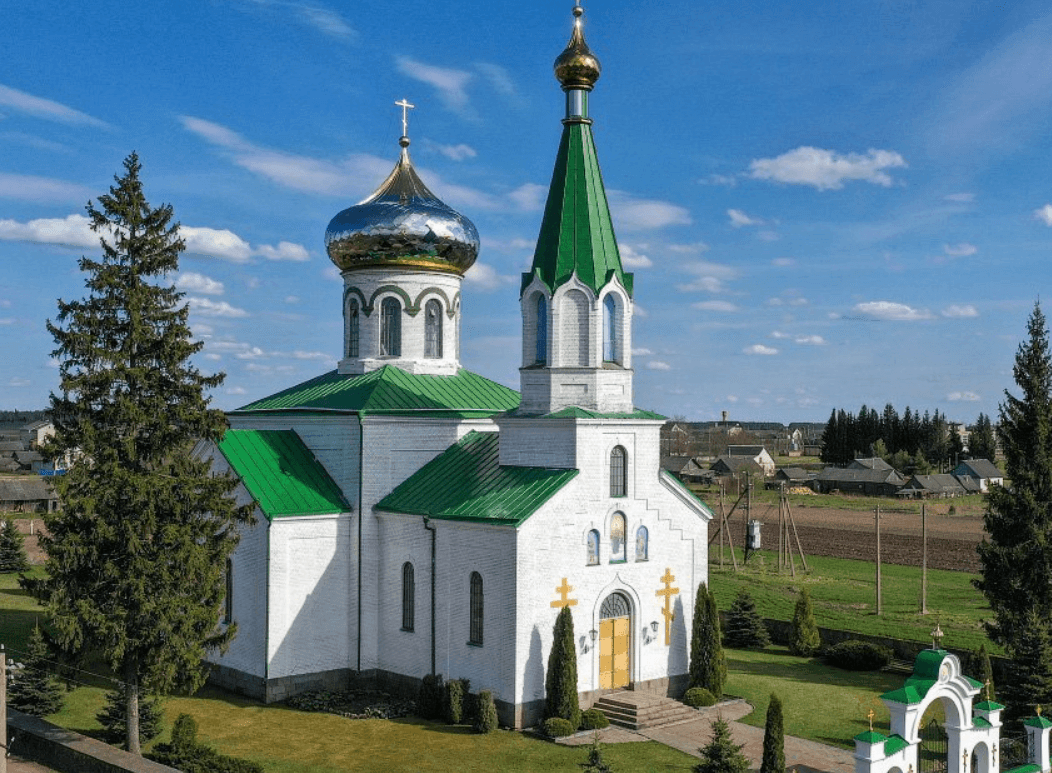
(577,67)
(403,225)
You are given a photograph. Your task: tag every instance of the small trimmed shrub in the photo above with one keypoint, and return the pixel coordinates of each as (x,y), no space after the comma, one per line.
(456,701)
(697,697)
(486,718)
(189,756)
(805,639)
(429,700)
(184,732)
(856,655)
(594,719)
(557,727)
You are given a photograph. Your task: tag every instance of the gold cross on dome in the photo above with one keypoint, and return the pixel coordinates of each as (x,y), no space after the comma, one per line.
(404,104)
(564,592)
(669,614)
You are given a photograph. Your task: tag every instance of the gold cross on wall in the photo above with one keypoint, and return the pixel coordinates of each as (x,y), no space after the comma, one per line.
(564,591)
(668,592)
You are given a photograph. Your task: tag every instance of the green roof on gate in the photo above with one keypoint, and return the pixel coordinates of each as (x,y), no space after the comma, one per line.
(577,233)
(895,743)
(393,392)
(911,693)
(466,482)
(870,736)
(281,473)
(1037,721)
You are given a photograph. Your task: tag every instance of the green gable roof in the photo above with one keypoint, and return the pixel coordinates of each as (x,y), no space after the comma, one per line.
(895,743)
(392,391)
(465,482)
(281,473)
(577,234)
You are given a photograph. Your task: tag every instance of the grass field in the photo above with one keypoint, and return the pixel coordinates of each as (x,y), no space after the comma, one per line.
(844,595)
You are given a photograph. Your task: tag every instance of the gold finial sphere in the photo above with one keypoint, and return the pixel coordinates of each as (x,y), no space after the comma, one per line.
(577,67)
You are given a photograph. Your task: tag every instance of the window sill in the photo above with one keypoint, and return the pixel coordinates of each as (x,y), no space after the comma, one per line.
(408,630)
(594,563)
(618,561)
(475,644)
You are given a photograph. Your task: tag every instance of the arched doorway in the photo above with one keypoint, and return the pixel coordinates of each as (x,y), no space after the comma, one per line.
(615,647)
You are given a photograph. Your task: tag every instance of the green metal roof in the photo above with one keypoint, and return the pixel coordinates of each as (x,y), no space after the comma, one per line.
(575,412)
(392,391)
(281,473)
(577,234)
(465,482)
(989,706)
(911,693)
(895,743)
(870,736)
(928,663)
(665,474)
(981,722)
(1038,721)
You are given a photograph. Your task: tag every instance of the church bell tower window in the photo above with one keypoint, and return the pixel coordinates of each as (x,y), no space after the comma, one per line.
(611,330)
(390,328)
(408,597)
(475,630)
(542,330)
(352,328)
(433,329)
(618,472)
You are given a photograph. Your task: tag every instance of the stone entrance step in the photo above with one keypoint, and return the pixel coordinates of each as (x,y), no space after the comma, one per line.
(638,710)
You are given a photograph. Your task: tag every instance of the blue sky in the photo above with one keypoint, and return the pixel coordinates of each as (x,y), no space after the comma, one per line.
(825,205)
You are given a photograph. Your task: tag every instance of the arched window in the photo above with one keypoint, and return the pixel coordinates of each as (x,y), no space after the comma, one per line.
(618,472)
(574,330)
(228,600)
(611,330)
(433,329)
(642,543)
(542,330)
(593,547)
(408,597)
(475,632)
(391,328)
(352,328)
(617,537)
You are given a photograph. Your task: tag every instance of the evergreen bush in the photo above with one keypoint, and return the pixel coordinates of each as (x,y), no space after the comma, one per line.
(35,690)
(804,639)
(429,698)
(594,719)
(697,697)
(13,556)
(708,664)
(855,655)
(486,713)
(595,762)
(560,683)
(557,727)
(721,754)
(745,627)
(773,760)
(113,717)
(456,694)
(189,756)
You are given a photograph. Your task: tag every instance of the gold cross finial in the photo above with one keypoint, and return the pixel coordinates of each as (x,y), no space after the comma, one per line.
(1038,709)
(936,637)
(564,592)
(870,716)
(987,689)
(404,104)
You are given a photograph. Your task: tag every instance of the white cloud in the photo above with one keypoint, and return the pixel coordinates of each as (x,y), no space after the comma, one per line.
(38,107)
(827,169)
(323,19)
(191,282)
(26,187)
(451,84)
(960,198)
(284,251)
(7,320)
(739,219)
(641,352)
(485,277)
(725,306)
(639,312)
(631,258)
(16,381)
(710,277)
(694,248)
(236,390)
(1044,214)
(728,180)
(803,340)
(528,197)
(71,231)
(658,365)
(760,349)
(459,152)
(892,312)
(961,250)
(963,397)
(217,243)
(206,307)
(498,77)
(291,299)
(783,262)
(636,214)
(956,311)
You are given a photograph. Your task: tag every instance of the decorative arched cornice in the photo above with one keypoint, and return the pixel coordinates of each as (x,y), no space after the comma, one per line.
(419,303)
(366,307)
(407,306)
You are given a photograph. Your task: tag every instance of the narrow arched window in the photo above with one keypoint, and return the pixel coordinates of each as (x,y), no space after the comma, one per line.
(433,329)
(642,540)
(391,328)
(611,331)
(228,600)
(542,330)
(352,328)
(618,472)
(617,537)
(593,547)
(408,597)
(475,631)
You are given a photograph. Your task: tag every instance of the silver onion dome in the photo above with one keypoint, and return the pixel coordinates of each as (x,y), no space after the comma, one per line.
(404,225)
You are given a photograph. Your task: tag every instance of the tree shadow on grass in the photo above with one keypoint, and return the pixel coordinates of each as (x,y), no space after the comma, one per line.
(434,726)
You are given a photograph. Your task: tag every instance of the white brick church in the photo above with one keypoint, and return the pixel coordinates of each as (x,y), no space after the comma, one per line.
(417,518)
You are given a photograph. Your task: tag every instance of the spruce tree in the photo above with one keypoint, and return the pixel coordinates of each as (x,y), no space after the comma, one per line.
(745,627)
(773,738)
(1030,682)
(981,442)
(595,762)
(135,558)
(1016,560)
(560,683)
(113,717)
(804,639)
(708,665)
(35,691)
(721,754)
(13,556)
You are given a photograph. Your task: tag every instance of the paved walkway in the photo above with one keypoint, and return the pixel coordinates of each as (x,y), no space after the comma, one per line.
(16,765)
(800,755)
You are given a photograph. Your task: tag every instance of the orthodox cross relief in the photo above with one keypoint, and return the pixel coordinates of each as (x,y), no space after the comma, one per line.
(669,614)
(564,592)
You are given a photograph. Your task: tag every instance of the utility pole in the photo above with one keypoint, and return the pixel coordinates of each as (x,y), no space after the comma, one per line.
(3,710)
(880,603)
(924,558)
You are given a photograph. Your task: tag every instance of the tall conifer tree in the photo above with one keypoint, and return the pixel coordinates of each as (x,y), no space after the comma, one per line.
(981,443)
(13,556)
(773,760)
(135,558)
(1016,560)
(708,664)
(560,683)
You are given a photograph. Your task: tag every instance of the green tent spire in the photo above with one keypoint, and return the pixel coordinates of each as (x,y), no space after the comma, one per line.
(577,233)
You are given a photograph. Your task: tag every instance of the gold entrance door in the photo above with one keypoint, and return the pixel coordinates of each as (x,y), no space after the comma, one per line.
(613,653)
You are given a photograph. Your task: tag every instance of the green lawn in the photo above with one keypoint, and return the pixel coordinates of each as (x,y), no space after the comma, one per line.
(844,594)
